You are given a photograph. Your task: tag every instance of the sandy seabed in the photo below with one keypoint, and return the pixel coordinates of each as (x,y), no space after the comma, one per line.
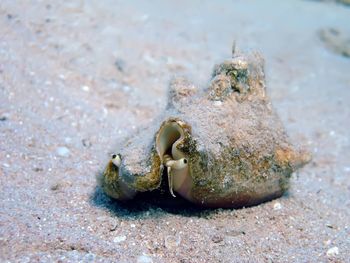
(76,76)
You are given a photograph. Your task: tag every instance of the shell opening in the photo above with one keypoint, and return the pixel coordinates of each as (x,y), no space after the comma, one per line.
(168,138)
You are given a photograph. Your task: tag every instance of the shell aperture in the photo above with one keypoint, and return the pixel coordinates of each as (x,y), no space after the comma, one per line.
(167,140)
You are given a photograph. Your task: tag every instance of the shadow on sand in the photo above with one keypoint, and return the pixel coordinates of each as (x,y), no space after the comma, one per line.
(149,205)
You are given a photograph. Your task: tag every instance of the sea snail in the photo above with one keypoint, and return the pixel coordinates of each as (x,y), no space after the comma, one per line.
(223,146)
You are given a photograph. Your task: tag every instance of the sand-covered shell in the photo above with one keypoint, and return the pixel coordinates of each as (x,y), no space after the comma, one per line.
(223,146)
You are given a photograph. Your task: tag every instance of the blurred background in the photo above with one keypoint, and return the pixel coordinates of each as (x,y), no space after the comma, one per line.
(77,76)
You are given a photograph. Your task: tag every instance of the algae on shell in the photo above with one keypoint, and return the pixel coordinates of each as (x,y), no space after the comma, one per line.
(233,148)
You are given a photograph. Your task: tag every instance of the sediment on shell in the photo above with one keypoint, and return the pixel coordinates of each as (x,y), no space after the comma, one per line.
(223,146)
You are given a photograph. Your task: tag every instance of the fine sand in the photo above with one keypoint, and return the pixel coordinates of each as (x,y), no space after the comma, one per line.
(77,76)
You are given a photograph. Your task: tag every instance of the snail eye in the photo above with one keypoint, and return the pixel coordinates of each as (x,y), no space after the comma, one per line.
(185,161)
(116,160)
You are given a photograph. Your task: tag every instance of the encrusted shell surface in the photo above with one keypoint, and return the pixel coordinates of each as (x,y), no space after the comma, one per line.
(235,147)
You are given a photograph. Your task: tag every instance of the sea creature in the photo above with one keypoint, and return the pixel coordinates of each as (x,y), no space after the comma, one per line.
(223,146)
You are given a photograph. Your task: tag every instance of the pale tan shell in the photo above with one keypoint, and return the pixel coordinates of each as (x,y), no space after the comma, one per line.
(232,146)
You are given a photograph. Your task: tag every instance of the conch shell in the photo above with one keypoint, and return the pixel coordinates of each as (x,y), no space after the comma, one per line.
(219,147)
